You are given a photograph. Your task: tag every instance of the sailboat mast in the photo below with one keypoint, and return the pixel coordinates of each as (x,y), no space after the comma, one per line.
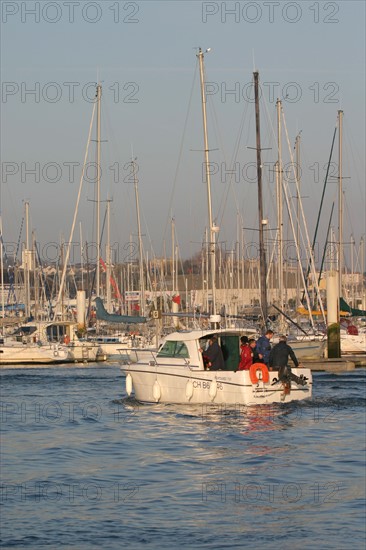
(173,258)
(99,96)
(26,261)
(81,257)
(108,257)
(212,245)
(279,209)
(340,203)
(298,197)
(142,282)
(262,252)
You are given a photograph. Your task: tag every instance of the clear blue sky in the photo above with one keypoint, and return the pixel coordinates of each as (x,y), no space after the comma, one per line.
(309,54)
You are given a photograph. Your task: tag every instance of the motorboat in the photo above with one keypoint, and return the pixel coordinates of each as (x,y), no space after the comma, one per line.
(176,373)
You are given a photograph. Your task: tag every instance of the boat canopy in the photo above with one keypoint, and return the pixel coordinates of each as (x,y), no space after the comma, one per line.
(103,315)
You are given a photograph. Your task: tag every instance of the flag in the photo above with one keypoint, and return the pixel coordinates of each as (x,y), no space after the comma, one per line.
(112,281)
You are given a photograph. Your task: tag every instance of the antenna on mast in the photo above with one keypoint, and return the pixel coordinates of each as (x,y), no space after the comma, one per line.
(254,69)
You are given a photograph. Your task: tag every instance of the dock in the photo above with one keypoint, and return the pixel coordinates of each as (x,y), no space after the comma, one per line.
(343,364)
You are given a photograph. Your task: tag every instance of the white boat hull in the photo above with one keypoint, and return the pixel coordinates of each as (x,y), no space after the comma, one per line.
(352,343)
(182,385)
(33,354)
(84,352)
(305,349)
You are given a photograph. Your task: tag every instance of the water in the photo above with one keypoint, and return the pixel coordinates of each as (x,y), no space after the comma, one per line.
(83,466)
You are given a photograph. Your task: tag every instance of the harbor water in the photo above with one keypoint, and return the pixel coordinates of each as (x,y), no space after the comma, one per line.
(84,466)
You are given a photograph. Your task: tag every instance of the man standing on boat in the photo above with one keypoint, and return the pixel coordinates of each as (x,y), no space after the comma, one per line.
(263,347)
(253,350)
(278,359)
(214,355)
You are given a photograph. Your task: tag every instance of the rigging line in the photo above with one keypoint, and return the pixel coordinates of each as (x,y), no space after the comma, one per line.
(360,257)
(347,154)
(98,252)
(8,268)
(325,245)
(180,261)
(161,279)
(346,205)
(76,211)
(357,158)
(230,186)
(180,152)
(271,261)
(321,204)
(233,160)
(272,138)
(304,223)
(218,135)
(285,192)
(19,239)
(45,285)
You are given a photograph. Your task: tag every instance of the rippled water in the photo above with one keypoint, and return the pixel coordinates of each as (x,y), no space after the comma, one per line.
(83,466)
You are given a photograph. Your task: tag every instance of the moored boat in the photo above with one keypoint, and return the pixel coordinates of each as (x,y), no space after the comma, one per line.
(14,352)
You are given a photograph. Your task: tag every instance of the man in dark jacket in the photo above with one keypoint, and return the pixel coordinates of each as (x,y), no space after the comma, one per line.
(263,346)
(278,359)
(214,355)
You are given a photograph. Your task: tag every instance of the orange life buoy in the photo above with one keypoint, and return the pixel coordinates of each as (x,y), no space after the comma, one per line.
(66,339)
(253,373)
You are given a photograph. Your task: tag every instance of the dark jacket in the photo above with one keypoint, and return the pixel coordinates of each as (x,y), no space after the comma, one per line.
(279,355)
(263,347)
(215,356)
(255,358)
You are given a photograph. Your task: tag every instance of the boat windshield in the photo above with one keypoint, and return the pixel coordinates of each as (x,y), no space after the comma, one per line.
(172,348)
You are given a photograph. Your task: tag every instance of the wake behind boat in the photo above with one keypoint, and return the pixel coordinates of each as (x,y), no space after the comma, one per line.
(176,374)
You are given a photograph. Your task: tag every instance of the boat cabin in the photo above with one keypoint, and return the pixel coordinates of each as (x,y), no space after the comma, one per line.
(185,347)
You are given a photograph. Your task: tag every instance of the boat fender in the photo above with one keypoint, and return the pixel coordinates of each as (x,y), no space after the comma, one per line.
(189,389)
(55,353)
(156,391)
(128,384)
(213,390)
(253,373)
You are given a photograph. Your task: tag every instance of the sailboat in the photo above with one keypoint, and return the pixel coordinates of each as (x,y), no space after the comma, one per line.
(24,347)
(176,373)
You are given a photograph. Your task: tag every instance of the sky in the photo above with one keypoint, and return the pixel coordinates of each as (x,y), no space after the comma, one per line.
(310,55)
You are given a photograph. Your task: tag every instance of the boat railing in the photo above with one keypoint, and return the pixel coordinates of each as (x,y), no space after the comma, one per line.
(125,355)
(130,355)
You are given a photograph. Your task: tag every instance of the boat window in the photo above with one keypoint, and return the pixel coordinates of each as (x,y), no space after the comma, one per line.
(26,330)
(172,348)
(55,332)
(181,350)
